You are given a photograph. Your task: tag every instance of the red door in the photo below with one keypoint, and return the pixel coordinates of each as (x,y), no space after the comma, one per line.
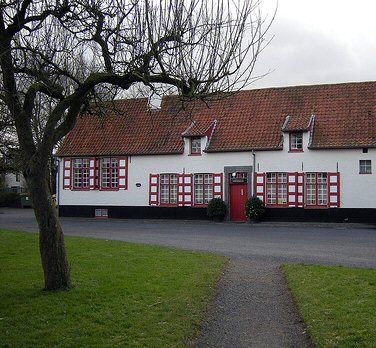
(238,197)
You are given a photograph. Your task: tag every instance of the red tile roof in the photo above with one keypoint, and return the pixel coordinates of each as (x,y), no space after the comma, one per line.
(345,117)
(197,128)
(297,123)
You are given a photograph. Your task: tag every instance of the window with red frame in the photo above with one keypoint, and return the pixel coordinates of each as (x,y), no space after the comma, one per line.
(81,171)
(316,189)
(296,141)
(169,188)
(276,188)
(109,170)
(203,188)
(195,146)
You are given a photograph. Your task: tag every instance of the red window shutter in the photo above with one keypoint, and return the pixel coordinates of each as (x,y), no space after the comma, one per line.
(123,173)
(97,176)
(218,185)
(67,174)
(187,189)
(292,200)
(334,196)
(300,189)
(92,173)
(154,189)
(260,186)
(181,190)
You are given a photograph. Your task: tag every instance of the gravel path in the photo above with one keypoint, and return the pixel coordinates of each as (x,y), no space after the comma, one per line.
(253,307)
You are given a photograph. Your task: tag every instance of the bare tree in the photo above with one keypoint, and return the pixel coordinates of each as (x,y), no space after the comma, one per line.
(56,55)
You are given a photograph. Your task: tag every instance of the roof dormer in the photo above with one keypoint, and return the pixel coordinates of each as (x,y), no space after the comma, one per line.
(298,131)
(199,134)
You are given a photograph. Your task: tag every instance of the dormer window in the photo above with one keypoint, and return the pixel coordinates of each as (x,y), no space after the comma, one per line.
(196,146)
(296,141)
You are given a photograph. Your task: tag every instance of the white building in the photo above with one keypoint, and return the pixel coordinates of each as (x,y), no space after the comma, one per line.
(309,152)
(15,181)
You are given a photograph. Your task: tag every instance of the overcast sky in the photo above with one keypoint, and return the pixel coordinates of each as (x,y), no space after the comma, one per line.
(319,41)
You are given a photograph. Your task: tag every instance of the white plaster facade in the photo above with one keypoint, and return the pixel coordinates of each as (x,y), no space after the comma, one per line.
(356,190)
(15,180)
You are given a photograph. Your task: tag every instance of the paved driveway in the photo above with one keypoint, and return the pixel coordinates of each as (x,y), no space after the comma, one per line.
(253,307)
(353,245)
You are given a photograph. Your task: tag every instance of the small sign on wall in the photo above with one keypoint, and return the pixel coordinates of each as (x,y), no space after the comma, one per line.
(101,213)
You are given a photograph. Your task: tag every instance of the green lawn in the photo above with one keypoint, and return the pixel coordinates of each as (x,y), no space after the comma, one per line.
(337,303)
(124,294)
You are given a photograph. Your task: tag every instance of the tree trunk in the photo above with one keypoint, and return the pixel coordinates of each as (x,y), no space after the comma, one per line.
(51,238)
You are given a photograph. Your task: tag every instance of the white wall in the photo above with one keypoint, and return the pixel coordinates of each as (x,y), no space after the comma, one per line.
(357,191)
(10,180)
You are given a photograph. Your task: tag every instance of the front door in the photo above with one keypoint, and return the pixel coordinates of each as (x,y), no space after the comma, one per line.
(238,197)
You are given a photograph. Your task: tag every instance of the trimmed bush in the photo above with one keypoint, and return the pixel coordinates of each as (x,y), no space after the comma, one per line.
(217,209)
(10,199)
(254,209)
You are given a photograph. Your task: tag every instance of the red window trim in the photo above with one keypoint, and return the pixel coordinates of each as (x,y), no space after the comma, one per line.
(100,174)
(203,193)
(96,178)
(276,205)
(74,188)
(317,206)
(195,153)
(290,142)
(169,188)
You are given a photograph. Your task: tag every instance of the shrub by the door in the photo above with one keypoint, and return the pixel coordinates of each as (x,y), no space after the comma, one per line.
(217,209)
(254,209)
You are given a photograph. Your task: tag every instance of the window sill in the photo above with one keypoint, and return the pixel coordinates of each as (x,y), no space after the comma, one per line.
(296,151)
(316,207)
(365,173)
(108,189)
(277,206)
(195,154)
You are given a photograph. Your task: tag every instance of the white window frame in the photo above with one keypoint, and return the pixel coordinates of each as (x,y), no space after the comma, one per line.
(276,188)
(168,188)
(195,147)
(365,167)
(81,173)
(316,189)
(109,174)
(203,188)
(296,141)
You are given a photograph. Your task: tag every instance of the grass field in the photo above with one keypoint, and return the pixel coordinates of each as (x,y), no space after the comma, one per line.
(124,294)
(337,303)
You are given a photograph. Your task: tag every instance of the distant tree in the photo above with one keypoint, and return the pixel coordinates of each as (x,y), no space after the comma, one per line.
(60,55)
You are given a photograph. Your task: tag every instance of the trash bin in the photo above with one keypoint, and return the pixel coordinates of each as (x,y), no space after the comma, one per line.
(25,201)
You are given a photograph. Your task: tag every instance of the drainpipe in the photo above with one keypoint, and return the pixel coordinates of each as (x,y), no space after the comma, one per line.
(254,174)
(58,185)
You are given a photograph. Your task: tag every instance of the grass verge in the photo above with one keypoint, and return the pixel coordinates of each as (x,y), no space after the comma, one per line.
(124,294)
(337,303)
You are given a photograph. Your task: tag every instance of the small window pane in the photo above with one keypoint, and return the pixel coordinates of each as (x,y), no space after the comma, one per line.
(271,177)
(169,188)
(296,141)
(203,188)
(196,145)
(365,167)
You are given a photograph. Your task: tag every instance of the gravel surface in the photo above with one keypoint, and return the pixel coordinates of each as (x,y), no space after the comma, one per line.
(253,307)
